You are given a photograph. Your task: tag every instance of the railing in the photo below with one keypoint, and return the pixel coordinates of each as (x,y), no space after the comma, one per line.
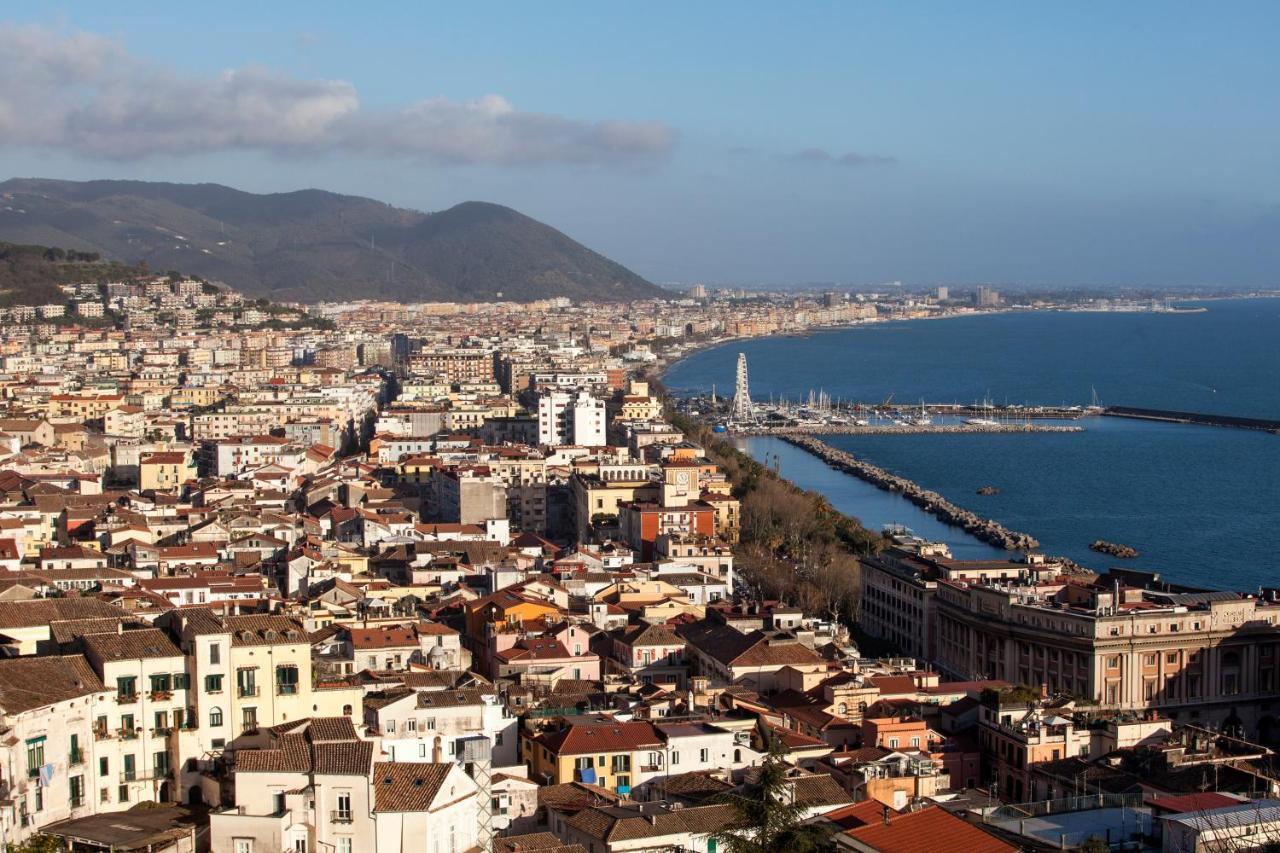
(76,756)
(286,689)
(102,734)
(161,731)
(128,734)
(77,801)
(160,695)
(341,816)
(126,698)
(247,690)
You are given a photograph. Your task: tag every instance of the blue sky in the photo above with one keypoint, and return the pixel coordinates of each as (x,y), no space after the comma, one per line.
(1095,143)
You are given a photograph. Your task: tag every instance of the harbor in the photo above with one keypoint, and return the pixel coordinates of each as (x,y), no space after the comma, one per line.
(898,428)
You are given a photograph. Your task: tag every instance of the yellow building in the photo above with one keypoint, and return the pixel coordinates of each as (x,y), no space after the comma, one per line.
(604,754)
(167,469)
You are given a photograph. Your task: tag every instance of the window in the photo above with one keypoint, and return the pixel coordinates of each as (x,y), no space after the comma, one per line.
(704,755)
(422,750)
(130,769)
(35,755)
(431,724)
(244,845)
(160,683)
(215,717)
(77,791)
(247,681)
(104,766)
(215,653)
(287,680)
(675,758)
(249,718)
(181,681)
(213,683)
(411,725)
(123,794)
(343,811)
(126,687)
(161,720)
(344,845)
(391,725)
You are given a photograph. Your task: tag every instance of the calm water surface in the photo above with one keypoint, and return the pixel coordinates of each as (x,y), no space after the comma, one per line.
(1202,504)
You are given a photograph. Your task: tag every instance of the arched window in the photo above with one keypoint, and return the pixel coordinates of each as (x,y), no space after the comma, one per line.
(215,716)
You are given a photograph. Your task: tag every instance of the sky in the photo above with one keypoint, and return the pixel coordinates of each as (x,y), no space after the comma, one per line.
(1081,143)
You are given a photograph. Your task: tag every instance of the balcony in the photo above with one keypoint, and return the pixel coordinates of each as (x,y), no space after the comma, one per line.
(286,689)
(128,734)
(102,734)
(126,698)
(77,801)
(161,731)
(341,816)
(76,756)
(244,690)
(161,695)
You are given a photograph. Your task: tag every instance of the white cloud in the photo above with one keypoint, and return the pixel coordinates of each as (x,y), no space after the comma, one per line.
(86,94)
(852,158)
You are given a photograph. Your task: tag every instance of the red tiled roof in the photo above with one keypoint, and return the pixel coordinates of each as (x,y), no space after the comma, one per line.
(589,739)
(927,831)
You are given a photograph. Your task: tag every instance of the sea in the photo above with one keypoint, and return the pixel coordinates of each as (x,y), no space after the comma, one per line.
(1201,504)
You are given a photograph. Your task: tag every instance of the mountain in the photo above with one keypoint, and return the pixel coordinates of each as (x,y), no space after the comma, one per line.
(312,245)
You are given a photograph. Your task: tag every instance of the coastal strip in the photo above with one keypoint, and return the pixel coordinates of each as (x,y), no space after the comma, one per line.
(985,529)
(900,429)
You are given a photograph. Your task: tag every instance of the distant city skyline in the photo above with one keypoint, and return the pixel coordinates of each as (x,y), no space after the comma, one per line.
(731,144)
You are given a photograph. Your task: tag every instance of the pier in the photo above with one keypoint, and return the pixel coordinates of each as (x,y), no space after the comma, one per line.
(899,429)
(985,529)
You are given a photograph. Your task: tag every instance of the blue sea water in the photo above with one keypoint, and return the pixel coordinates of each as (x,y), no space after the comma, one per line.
(1202,504)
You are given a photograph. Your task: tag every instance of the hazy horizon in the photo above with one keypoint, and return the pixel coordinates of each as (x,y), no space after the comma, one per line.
(1078,146)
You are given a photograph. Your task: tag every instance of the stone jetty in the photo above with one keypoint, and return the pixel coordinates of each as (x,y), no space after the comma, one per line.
(1113,549)
(991,532)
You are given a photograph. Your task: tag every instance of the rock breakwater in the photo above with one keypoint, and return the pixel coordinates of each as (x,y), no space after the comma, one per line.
(989,531)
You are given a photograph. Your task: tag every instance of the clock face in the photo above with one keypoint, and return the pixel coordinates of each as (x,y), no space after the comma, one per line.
(682,477)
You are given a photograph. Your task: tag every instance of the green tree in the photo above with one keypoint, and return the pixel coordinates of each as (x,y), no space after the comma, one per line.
(37,844)
(769,821)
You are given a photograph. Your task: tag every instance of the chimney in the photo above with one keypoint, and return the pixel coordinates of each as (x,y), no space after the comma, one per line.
(884,815)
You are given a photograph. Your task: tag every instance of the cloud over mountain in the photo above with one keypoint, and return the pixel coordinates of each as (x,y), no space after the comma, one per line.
(87,94)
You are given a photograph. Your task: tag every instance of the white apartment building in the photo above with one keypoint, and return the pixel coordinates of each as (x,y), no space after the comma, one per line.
(575,418)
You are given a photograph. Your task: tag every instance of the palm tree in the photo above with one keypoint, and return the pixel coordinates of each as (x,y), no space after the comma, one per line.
(769,820)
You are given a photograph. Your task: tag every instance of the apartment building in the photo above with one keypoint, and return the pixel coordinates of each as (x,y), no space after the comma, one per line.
(1127,642)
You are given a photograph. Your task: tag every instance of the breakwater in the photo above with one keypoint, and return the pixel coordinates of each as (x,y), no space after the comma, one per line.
(1203,419)
(985,529)
(899,429)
